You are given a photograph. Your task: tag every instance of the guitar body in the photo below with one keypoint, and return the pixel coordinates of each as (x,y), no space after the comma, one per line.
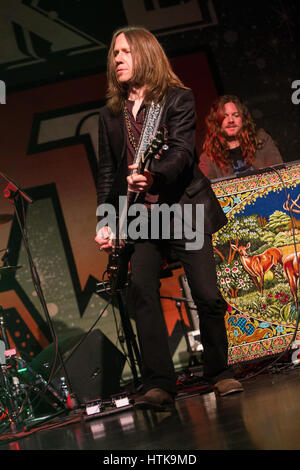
(118,267)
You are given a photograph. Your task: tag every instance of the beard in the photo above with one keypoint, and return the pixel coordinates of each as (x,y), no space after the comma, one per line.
(231,138)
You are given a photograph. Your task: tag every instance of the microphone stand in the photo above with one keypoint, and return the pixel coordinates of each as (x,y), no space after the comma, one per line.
(178,302)
(117,273)
(12,192)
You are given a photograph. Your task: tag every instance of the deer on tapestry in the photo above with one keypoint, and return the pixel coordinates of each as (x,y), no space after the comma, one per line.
(293,207)
(290,264)
(258,265)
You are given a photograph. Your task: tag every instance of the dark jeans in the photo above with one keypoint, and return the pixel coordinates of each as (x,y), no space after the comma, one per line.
(199,266)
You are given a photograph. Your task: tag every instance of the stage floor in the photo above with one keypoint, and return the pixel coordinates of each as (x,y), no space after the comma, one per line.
(265,416)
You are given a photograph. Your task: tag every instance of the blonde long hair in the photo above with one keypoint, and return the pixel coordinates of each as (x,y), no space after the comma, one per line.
(151,68)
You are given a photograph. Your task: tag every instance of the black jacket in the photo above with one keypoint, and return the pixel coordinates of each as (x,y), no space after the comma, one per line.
(177,177)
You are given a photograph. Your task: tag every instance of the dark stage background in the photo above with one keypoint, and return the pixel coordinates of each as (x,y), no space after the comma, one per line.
(52,61)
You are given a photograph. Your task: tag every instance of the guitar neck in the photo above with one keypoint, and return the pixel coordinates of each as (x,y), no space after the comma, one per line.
(143,159)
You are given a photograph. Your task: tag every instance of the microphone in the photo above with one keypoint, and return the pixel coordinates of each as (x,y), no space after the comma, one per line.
(5,256)
(12,188)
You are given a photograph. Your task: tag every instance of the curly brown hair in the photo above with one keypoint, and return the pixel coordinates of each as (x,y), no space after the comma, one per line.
(216,145)
(151,68)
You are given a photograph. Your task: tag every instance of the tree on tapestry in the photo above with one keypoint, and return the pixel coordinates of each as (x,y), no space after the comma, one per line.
(277,230)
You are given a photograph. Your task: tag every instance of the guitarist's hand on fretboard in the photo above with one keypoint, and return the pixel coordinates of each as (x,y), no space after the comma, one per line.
(139,182)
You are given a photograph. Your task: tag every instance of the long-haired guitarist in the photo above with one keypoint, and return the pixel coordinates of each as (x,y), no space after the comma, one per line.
(144,95)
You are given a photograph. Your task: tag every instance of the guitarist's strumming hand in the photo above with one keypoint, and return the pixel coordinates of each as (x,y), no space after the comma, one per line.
(139,182)
(105,239)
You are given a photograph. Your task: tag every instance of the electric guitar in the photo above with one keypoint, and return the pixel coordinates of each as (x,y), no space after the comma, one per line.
(117,268)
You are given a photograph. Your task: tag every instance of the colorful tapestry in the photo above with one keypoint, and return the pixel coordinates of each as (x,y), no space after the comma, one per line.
(257,261)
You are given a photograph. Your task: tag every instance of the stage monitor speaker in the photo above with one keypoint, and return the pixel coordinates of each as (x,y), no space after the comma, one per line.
(94,366)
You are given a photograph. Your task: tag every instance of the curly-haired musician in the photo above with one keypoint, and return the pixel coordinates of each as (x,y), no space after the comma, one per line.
(233,145)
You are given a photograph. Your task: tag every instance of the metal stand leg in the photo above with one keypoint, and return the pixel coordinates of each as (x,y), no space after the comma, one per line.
(178,302)
(192,357)
(117,293)
(132,348)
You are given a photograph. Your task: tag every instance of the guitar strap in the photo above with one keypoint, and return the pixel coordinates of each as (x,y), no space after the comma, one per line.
(151,124)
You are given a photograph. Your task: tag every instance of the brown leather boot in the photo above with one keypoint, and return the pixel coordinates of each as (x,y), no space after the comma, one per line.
(227,386)
(155,399)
